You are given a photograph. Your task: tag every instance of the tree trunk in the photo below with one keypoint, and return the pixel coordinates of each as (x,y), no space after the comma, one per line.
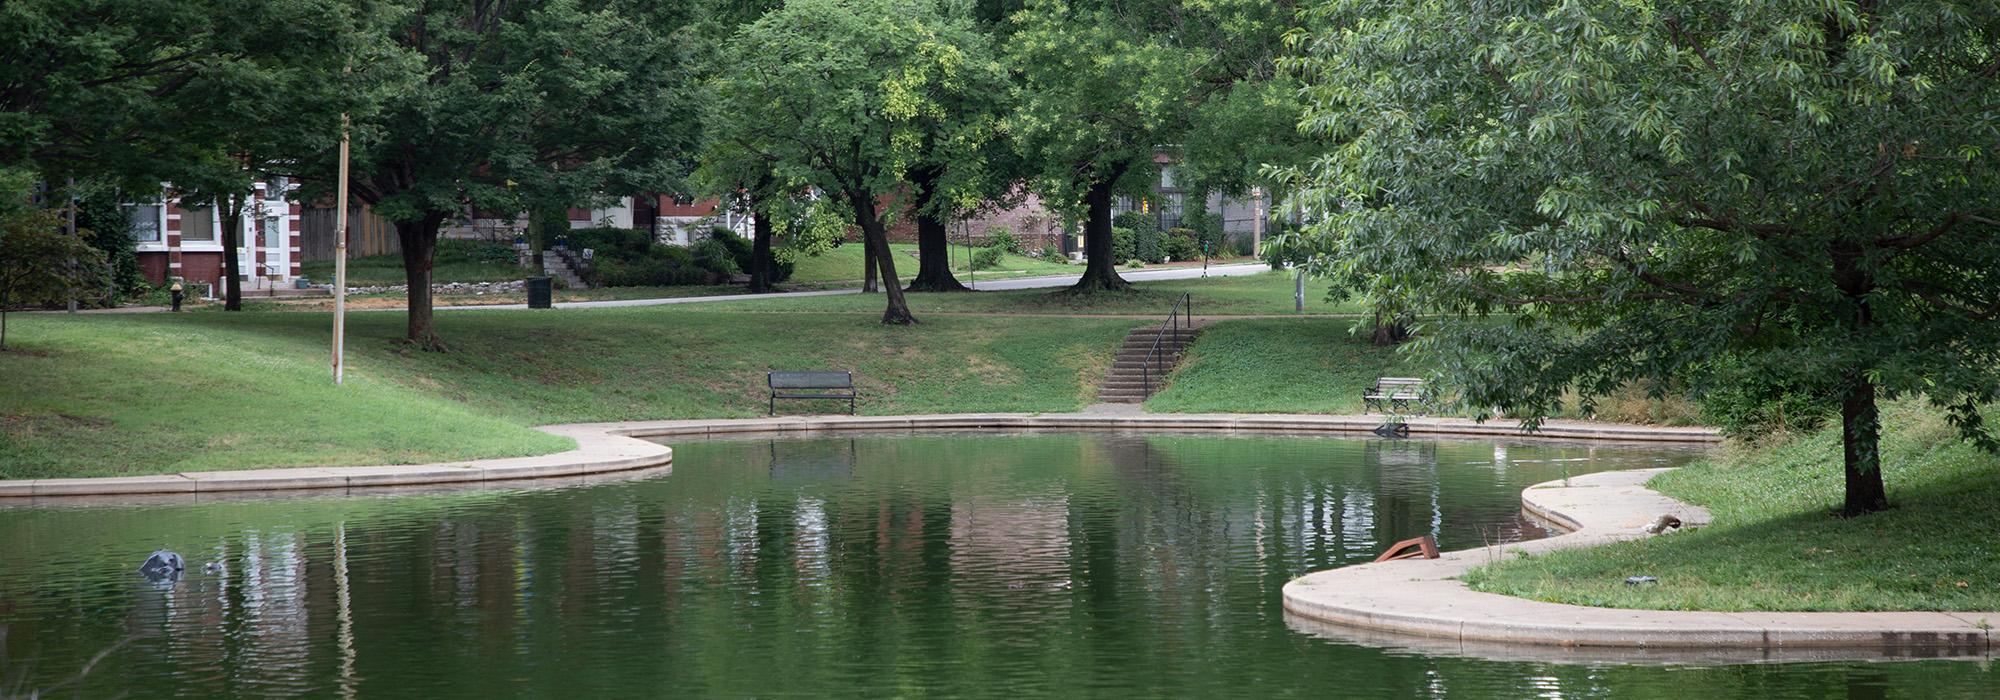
(868,264)
(419,239)
(1860,441)
(1100,272)
(232,264)
(762,266)
(1395,332)
(933,239)
(1860,424)
(875,240)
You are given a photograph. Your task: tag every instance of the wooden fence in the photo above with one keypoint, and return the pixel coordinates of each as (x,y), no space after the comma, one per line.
(370,234)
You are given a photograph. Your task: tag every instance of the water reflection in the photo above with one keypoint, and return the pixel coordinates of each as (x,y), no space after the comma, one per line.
(938,564)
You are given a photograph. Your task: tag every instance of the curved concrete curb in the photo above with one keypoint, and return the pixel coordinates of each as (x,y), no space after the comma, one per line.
(1426,427)
(1421,598)
(599,450)
(613,447)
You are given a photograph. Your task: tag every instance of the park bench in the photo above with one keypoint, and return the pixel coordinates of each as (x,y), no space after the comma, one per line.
(1396,395)
(811,385)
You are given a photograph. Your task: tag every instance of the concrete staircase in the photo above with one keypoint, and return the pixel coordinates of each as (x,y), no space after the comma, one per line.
(558,266)
(1125,382)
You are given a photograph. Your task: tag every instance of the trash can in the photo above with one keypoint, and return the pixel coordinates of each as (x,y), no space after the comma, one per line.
(539,292)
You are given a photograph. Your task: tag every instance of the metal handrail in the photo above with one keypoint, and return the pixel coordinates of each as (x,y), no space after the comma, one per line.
(1179,317)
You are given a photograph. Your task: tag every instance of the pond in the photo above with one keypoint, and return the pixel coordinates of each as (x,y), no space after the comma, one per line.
(870,564)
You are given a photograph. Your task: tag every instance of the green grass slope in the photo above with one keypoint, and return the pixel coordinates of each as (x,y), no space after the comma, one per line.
(1278,366)
(138,394)
(1775,544)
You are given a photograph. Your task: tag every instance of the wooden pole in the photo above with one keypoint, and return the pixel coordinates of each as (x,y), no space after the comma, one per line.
(340,263)
(1257,222)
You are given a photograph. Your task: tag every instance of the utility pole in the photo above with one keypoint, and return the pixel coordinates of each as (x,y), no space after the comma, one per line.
(340,263)
(70,193)
(1257,222)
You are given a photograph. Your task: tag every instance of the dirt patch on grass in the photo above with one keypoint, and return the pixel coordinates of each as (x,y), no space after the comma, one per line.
(56,425)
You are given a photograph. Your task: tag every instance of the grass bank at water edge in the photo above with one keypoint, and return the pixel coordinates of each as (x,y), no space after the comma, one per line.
(1775,544)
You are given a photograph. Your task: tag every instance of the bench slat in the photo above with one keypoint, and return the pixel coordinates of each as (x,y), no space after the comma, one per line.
(811,380)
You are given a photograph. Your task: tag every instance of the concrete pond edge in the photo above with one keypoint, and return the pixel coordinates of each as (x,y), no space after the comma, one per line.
(605,448)
(1420,604)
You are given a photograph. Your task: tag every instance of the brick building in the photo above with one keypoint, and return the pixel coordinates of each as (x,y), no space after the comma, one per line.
(181,240)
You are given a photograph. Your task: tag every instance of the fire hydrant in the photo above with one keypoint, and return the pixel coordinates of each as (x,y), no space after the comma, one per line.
(177,295)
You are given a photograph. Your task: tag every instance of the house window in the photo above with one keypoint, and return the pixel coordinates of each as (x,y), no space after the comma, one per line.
(1166,178)
(198,225)
(1170,210)
(145,222)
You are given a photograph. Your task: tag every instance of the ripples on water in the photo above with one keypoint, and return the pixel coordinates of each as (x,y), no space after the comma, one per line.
(953,564)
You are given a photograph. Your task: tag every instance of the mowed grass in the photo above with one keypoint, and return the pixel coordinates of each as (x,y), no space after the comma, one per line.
(1269,293)
(456,261)
(141,394)
(1314,365)
(1775,546)
(841,267)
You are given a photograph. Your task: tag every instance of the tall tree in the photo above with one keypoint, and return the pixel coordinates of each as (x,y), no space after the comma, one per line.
(840,96)
(965,162)
(1650,190)
(1105,85)
(268,103)
(511,90)
(39,262)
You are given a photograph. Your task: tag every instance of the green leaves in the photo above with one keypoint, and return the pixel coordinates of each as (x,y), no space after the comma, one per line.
(1650,189)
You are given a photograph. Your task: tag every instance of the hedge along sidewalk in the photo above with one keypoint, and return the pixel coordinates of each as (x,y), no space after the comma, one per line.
(1423,598)
(613,447)
(600,449)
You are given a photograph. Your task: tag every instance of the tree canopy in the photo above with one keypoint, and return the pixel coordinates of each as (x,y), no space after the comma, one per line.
(1106,88)
(505,94)
(1660,192)
(845,97)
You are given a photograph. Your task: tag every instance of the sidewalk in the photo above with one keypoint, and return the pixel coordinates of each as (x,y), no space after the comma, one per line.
(1237,270)
(1419,598)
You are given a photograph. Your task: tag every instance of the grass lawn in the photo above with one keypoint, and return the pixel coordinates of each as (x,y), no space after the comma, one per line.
(1774,544)
(139,394)
(457,260)
(1269,293)
(1278,366)
(841,267)
(399,301)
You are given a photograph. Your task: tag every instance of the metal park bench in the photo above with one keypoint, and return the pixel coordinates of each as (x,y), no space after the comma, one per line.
(1396,395)
(811,385)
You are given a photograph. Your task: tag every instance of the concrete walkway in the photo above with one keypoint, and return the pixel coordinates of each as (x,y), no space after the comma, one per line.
(604,448)
(1423,599)
(1176,273)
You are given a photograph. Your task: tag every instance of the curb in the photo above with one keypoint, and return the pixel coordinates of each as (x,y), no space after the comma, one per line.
(614,447)
(1358,424)
(598,451)
(1424,599)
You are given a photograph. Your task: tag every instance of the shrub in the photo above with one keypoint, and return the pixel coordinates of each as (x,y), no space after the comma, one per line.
(659,266)
(1136,221)
(988,257)
(1003,238)
(1146,245)
(1122,240)
(713,257)
(1246,246)
(1751,403)
(743,252)
(1180,244)
(620,243)
(1053,253)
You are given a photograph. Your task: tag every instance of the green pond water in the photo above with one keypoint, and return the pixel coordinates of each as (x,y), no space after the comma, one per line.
(873,565)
